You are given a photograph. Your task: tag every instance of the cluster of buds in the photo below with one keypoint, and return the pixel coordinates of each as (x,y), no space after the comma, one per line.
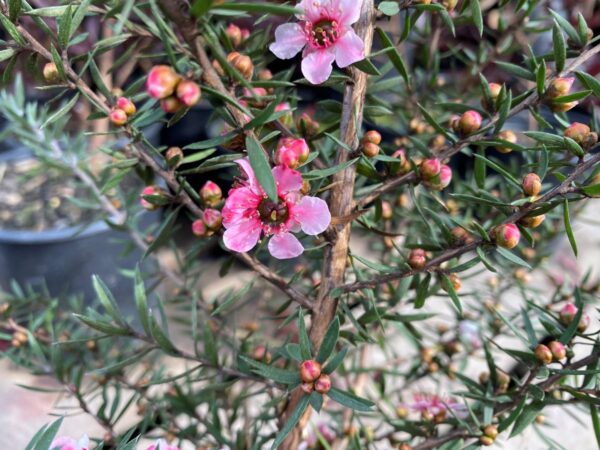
(434,174)
(174,93)
(568,313)
(468,123)
(554,351)
(236,34)
(241,63)
(19,338)
(209,223)
(417,126)
(312,378)
(495,89)
(508,136)
(506,235)
(402,166)
(370,143)
(307,126)
(490,433)
(174,157)
(123,108)
(211,194)
(417,259)
(291,152)
(582,134)
(152,197)
(559,87)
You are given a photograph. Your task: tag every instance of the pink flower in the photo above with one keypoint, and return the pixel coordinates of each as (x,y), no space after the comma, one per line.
(161,444)
(434,404)
(325,34)
(248,213)
(68,443)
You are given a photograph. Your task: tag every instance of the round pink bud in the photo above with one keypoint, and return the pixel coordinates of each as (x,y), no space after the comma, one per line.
(174,156)
(560,87)
(495,89)
(579,132)
(162,81)
(149,190)
(386,211)
(245,33)
(199,228)
(563,107)
(532,184)
(288,118)
(211,193)
(417,259)
(118,117)
(188,92)
(558,350)
(307,125)
(323,384)
(50,72)
(584,322)
(212,218)
(469,122)
(126,105)
(307,387)
(543,354)
(445,176)
(430,168)
(234,33)
(567,313)
(507,235)
(171,105)
(310,370)
(402,166)
(291,152)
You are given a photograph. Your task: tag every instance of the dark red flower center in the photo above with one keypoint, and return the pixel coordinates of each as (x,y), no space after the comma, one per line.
(323,33)
(272,213)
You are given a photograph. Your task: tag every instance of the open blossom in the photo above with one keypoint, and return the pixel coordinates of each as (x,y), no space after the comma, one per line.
(326,35)
(68,443)
(249,212)
(433,404)
(161,444)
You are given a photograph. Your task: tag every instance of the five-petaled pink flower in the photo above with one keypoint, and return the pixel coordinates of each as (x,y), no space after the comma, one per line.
(325,33)
(249,212)
(434,404)
(68,443)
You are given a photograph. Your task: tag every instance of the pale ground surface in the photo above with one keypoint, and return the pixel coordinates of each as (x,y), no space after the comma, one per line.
(24,411)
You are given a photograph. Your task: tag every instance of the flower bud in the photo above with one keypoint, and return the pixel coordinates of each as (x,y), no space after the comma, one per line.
(372,136)
(404,445)
(386,211)
(370,150)
(567,314)
(440,181)
(491,431)
(307,388)
(584,322)
(468,123)
(171,105)
(532,184)
(242,63)
(532,222)
(265,75)
(305,189)
(323,384)
(417,259)
(162,81)
(117,117)
(150,190)
(495,89)
(50,72)
(454,281)
(506,235)
(126,105)
(579,132)
(429,168)
(307,125)
(559,87)
(563,107)
(199,228)
(558,350)
(218,68)
(234,33)
(211,194)
(460,236)
(188,92)
(450,5)
(291,152)
(509,136)
(543,354)
(486,440)
(310,370)
(174,156)
(261,353)
(212,218)
(402,166)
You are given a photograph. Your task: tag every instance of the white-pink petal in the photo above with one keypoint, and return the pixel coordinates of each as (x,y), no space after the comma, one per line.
(317,65)
(239,205)
(244,164)
(289,40)
(350,11)
(242,236)
(285,246)
(313,215)
(287,179)
(349,49)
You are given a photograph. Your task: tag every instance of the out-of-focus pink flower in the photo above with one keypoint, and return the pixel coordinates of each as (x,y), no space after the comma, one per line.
(68,443)
(248,213)
(433,404)
(326,35)
(161,444)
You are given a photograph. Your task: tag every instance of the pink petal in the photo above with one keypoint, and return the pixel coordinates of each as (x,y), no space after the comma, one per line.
(350,11)
(316,65)
(244,163)
(349,49)
(287,179)
(285,246)
(289,40)
(313,215)
(242,236)
(311,12)
(239,205)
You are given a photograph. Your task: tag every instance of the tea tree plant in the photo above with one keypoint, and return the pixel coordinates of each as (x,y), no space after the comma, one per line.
(391,124)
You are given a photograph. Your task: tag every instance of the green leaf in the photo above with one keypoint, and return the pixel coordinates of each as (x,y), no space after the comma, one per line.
(540,77)
(107,300)
(6,54)
(389,8)
(164,232)
(102,326)
(61,112)
(503,109)
(477,16)
(504,424)
(260,8)
(431,121)
(572,97)
(291,421)
(560,48)
(479,170)
(305,348)
(335,361)
(507,254)
(505,173)
(570,331)
(589,82)
(64,28)
(329,341)
(573,147)
(161,338)
(595,423)
(366,66)
(592,189)
(350,400)
(422,292)
(141,302)
(14,9)
(124,362)
(98,79)
(452,293)
(393,54)
(324,173)
(568,228)
(527,416)
(566,26)
(261,167)
(273,373)
(201,7)
(45,439)
(11,29)
(516,70)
